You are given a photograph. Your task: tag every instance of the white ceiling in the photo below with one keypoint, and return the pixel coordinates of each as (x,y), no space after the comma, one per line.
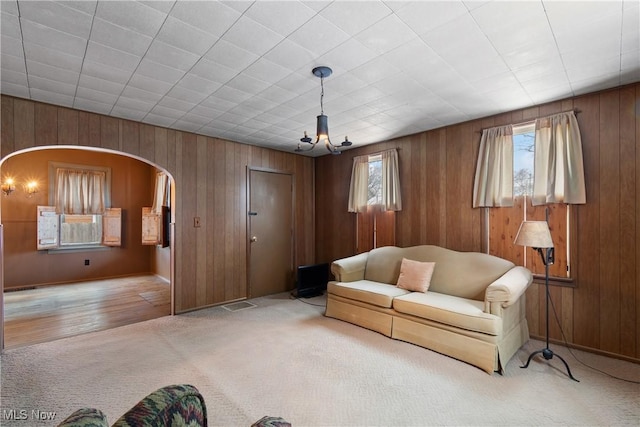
(241,70)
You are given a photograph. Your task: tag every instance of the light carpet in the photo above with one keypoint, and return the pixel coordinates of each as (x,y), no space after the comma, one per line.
(284,358)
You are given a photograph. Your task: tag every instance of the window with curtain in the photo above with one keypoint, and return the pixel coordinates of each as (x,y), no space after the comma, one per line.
(546,177)
(80,198)
(374,195)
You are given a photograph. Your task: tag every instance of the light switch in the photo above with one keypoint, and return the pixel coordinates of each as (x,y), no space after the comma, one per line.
(196,221)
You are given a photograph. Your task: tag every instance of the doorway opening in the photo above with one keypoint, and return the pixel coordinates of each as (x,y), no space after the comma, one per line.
(25,267)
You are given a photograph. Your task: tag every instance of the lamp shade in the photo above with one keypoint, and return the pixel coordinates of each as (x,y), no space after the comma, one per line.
(534,234)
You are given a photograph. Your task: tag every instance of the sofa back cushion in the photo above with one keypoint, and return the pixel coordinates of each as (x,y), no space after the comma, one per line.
(463,274)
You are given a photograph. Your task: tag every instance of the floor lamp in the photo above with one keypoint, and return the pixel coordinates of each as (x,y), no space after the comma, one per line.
(536,235)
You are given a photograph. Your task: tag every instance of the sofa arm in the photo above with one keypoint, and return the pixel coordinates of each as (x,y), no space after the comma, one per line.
(508,288)
(175,405)
(350,269)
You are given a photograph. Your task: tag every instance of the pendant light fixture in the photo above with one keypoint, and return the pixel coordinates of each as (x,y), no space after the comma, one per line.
(322,133)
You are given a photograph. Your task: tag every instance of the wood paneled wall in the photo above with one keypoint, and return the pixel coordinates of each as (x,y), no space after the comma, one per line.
(437,168)
(210,182)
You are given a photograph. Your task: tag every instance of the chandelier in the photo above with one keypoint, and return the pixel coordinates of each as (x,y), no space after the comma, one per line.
(322,133)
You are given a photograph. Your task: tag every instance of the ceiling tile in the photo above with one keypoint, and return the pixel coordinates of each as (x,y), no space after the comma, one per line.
(149,84)
(47,56)
(196,83)
(156,71)
(319,36)
(109,34)
(106,55)
(165,54)
(52,39)
(58,74)
(290,55)
(101,85)
(13,77)
(95,95)
(231,56)
(352,18)
(56,98)
(58,16)
(105,72)
(424,16)
(10,25)
(181,35)
(9,6)
(386,35)
(187,95)
(281,17)
(91,105)
(252,36)
(213,17)
(13,63)
(133,15)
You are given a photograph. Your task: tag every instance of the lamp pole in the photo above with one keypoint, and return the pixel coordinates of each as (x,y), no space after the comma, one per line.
(547,353)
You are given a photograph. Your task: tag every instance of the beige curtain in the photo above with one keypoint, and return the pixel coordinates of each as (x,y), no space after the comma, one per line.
(493,185)
(558,175)
(80,191)
(160,196)
(359,184)
(391,198)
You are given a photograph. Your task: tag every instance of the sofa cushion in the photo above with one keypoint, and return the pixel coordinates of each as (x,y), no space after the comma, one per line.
(463,274)
(415,275)
(380,294)
(450,310)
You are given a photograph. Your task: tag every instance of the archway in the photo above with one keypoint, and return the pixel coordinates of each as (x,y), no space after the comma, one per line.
(40,199)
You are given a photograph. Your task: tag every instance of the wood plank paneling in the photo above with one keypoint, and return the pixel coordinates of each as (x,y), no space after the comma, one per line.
(610,221)
(68,126)
(130,137)
(23,124)
(7,138)
(628,242)
(587,295)
(46,124)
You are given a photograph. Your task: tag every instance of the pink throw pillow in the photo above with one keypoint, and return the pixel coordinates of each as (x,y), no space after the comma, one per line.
(415,275)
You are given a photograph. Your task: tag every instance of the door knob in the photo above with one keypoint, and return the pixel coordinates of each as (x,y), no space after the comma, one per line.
(254,239)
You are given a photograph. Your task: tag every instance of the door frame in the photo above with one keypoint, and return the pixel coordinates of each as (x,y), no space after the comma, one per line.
(248,221)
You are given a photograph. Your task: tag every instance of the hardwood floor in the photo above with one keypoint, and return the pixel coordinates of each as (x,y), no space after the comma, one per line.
(49,313)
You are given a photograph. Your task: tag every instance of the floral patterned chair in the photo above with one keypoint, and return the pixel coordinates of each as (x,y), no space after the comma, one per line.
(172,406)
(175,405)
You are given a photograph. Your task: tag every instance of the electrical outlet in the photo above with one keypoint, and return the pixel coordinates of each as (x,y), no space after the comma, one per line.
(196,221)
(87,262)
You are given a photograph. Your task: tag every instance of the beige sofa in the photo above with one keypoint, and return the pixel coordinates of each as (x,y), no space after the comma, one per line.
(474,309)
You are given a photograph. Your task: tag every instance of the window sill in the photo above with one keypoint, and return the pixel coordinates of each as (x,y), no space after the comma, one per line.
(567,282)
(87,248)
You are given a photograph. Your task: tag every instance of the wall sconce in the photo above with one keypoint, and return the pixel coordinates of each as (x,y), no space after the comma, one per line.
(8,186)
(31,188)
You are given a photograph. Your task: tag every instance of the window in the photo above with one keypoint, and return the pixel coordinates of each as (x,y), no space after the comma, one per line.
(503,222)
(374,183)
(79,215)
(375,200)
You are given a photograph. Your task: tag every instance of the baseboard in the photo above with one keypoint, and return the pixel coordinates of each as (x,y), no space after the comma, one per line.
(589,349)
